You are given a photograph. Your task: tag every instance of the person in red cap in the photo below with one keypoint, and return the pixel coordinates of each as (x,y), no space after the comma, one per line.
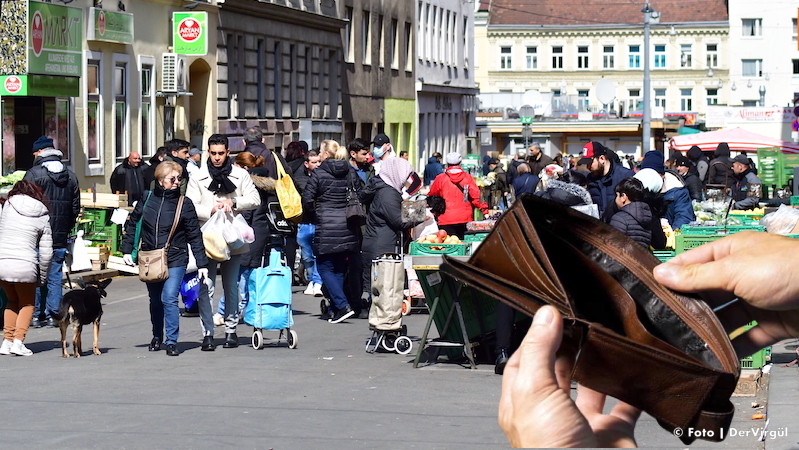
(604,174)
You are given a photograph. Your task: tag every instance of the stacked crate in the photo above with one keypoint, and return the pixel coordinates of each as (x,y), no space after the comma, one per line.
(101,231)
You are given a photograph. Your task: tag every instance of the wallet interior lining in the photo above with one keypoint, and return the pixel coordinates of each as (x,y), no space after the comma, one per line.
(653,314)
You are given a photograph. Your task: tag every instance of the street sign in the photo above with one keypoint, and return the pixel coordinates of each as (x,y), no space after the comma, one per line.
(190,33)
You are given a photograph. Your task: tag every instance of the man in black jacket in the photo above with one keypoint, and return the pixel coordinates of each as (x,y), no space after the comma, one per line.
(306,228)
(177,150)
(128,178)
(253,142)
(691,179)
(60,186)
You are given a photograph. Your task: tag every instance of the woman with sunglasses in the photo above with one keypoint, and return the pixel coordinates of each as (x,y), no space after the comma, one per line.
(157,213)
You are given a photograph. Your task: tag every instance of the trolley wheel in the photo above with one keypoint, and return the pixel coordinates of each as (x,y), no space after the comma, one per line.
(323,307)
(257,339)
(291,338)
(406,306)
(403,345)
(389,342)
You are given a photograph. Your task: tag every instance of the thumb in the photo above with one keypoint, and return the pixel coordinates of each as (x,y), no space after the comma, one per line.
(537,352)
(694,277)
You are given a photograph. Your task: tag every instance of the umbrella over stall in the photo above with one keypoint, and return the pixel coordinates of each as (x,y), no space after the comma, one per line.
(737,138)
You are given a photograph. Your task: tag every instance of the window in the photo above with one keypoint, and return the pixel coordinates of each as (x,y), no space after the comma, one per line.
(94,125)
(686,59)
(381,57)
(793,29)
(408,48)
(147,113)
(582,57)
(634,102)
(752,27)
(712,55)
(557,57)
(752,67)
(57,127)
(660,56)
(348,37)
(795,67)
(582,99)
(505,58)
(120,110)
(393,38)
(685,99)
(660,98)
(607,57)
(635,57)
(531,60)
(366,43)
(750,103)
(712,96)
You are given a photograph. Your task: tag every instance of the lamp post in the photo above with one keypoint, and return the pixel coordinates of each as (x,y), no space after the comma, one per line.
(647,125)
(762,92)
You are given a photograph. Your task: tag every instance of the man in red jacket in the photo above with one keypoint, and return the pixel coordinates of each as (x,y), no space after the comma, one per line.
(460,194)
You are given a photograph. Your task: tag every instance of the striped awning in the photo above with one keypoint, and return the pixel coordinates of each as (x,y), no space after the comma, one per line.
(737,138)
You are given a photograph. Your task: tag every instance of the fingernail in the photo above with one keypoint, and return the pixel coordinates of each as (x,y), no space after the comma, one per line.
(543,316)
(666,271)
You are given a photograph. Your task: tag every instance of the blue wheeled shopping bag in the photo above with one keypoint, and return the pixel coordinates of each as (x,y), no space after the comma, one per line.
(270,296)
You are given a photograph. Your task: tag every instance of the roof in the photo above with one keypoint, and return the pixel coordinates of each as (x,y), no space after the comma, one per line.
(484,5)
(602,12)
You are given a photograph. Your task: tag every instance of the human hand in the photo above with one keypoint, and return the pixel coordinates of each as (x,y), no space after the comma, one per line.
(128,259)
(202,274)
(757,268)
(536,409)
(224,205)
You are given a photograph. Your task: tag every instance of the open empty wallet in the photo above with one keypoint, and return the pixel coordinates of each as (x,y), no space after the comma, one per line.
(635,340)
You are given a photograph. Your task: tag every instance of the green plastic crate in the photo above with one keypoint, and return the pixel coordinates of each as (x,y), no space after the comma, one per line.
(757,360)
(664,255)
(730,229)
(101,217)
(475,237)
(795,200)
(420,248)
(686,241)
(111,235)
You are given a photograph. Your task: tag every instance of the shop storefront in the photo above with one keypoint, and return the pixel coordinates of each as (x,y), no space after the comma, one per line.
(40,78)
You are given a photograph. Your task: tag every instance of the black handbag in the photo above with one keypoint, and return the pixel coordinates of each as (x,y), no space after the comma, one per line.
(356,214)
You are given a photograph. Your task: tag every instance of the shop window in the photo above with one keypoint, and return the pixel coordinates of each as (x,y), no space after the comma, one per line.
(57,120)
(94,104)
(120,110)
(147,113)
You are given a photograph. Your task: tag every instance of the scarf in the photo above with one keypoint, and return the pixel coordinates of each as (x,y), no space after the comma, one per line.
(220,183)
(395,172)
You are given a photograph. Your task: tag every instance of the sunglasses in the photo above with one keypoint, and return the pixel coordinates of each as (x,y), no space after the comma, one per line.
(174,179)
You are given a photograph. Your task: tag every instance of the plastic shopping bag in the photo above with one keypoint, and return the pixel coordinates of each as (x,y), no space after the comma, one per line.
(245,230)
(216,247)
(190,289)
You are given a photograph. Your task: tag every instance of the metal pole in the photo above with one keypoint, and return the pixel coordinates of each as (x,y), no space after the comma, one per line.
(647,126)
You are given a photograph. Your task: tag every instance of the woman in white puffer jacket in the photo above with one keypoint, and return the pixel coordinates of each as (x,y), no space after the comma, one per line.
(26,247)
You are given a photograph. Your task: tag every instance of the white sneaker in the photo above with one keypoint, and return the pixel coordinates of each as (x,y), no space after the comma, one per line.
(310,289)
(19,349)
(5,349)
(317,290)
(219,320)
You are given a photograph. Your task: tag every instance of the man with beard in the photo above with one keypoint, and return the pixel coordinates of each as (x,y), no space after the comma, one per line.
(744,178)
(604,175)
(537,160)
(128,178)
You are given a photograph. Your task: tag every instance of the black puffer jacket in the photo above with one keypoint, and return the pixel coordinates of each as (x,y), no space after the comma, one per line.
(384,223)
(719,171)
(60,186)
(259,220)
(694,185)
(159,213)
(127,178)
(634,219)
(326,196)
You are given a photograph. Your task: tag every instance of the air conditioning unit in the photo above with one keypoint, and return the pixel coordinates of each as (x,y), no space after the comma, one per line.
(174,72)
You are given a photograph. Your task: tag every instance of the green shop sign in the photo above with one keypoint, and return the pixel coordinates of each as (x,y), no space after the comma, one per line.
(190,33)
(55,39)
(110,26)
(39,86)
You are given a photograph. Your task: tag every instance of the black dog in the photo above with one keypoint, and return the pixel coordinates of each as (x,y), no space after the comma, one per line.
(81,307)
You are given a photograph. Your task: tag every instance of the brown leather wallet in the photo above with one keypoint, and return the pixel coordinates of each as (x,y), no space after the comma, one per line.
(663,352)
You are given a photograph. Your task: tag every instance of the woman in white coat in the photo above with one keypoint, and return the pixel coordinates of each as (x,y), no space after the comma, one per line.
(26,247)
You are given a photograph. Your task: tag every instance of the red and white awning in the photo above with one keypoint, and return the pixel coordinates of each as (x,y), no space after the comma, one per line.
(737,138)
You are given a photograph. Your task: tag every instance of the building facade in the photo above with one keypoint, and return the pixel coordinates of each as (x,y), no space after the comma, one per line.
(378,88)
(562,57)
(279,66)
(445,86)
